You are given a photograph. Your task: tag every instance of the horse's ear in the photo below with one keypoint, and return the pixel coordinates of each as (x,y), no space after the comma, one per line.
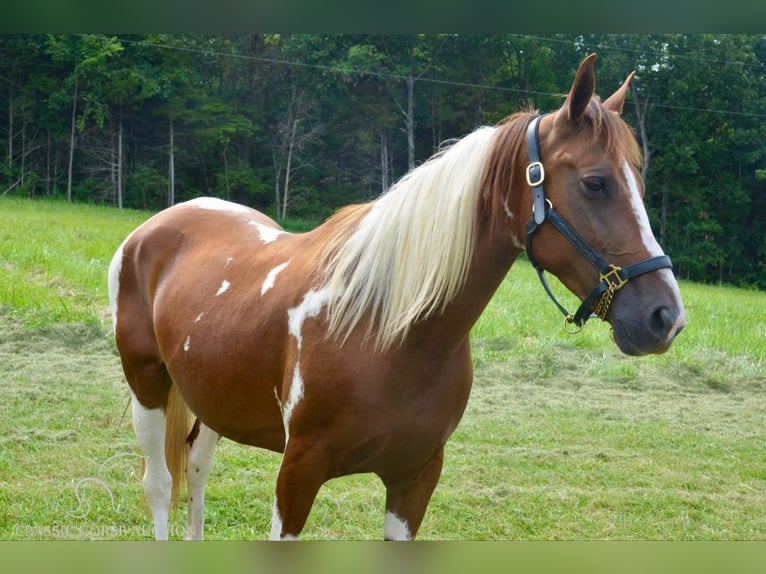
(617,99)
(582,89)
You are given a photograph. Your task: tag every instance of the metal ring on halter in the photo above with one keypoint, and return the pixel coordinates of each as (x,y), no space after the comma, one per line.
(548,201)
(569,320)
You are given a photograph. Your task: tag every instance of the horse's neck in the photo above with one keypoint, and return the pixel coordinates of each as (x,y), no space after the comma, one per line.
(494,254)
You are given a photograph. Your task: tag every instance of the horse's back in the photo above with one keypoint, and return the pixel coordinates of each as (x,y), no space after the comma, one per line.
(188,238)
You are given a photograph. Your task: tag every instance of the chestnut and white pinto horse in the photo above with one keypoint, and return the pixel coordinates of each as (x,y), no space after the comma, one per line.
(347,348)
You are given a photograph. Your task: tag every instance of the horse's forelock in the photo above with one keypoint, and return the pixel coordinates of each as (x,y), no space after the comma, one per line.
(609,127)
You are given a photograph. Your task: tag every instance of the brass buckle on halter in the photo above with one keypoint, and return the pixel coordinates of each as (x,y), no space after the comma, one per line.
(535,174)
(613,279)
(614,282)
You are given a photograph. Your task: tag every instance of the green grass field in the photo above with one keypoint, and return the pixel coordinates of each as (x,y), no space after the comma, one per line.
(563,438)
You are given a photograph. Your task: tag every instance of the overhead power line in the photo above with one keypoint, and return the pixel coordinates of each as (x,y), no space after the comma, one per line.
(440,81)
(642,51)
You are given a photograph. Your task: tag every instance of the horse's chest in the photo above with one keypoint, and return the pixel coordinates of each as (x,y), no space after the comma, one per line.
(380,414)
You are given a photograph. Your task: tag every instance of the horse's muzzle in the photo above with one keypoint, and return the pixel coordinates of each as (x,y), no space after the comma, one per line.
(648,322)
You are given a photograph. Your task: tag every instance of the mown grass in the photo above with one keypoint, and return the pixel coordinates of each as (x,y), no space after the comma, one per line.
(563,438)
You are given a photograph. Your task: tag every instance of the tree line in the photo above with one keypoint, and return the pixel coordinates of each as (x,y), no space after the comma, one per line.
(298,125)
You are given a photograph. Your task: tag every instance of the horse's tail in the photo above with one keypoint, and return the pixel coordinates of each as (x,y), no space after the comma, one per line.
(177,419)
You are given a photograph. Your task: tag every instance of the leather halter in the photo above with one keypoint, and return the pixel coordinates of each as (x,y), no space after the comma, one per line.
(612,278)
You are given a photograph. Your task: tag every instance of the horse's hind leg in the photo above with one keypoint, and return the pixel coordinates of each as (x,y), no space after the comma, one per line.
(159,413)
(407,499)
(197,472)
(149,425)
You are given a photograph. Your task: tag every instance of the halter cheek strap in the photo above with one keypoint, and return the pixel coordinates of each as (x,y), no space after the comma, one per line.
(612,278)
(536,172)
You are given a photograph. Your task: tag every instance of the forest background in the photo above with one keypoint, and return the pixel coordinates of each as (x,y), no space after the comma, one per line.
(299,125)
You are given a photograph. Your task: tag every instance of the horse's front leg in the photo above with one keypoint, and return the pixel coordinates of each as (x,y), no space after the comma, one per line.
(303,471)
(407,498)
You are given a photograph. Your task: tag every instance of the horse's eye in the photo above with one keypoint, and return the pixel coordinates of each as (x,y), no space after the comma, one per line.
(594,185)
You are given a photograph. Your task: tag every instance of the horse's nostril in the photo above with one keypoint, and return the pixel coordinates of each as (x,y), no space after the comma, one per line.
(662,321)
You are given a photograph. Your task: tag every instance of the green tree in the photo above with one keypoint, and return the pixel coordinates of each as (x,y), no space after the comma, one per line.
(708,123)
(86,57)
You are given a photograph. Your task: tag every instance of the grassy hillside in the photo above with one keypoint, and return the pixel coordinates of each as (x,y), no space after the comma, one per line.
(564,437)
(54,257)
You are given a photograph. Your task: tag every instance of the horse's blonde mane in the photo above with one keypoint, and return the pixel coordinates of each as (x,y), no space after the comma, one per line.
(406,255)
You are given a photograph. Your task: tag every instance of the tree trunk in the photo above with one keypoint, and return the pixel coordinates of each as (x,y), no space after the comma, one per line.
(23,148)
(56,172)
(226,172)
(641,119)
(110,159)
(71,143)
(384,175)
(663,213)
(286,187)
(48,164)
(277,192)
(293,113)
(10,131)
(172,168)
(409,122)
(118,165)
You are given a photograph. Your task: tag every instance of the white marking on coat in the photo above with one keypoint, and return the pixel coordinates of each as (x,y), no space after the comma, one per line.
(115,268)
(223,288)
(276,526)
(199,464)
(187,343)
(268,283)
(149,425)
(276,522)
(509,214)
(227,262)
(311,306)
(215,204)
(267,233)
(507,209)
(197,319)
(647,236)
(293,398)
(639,210)
(396,528)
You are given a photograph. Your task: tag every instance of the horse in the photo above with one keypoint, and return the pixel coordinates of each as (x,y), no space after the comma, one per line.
(346,348)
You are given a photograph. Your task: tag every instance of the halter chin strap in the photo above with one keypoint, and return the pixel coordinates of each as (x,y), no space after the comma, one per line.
(612,278)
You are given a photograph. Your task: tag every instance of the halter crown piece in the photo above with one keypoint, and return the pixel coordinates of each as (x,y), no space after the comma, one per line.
(612,278)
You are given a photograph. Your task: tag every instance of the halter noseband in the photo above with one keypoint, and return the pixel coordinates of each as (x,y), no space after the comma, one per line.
(612,278)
